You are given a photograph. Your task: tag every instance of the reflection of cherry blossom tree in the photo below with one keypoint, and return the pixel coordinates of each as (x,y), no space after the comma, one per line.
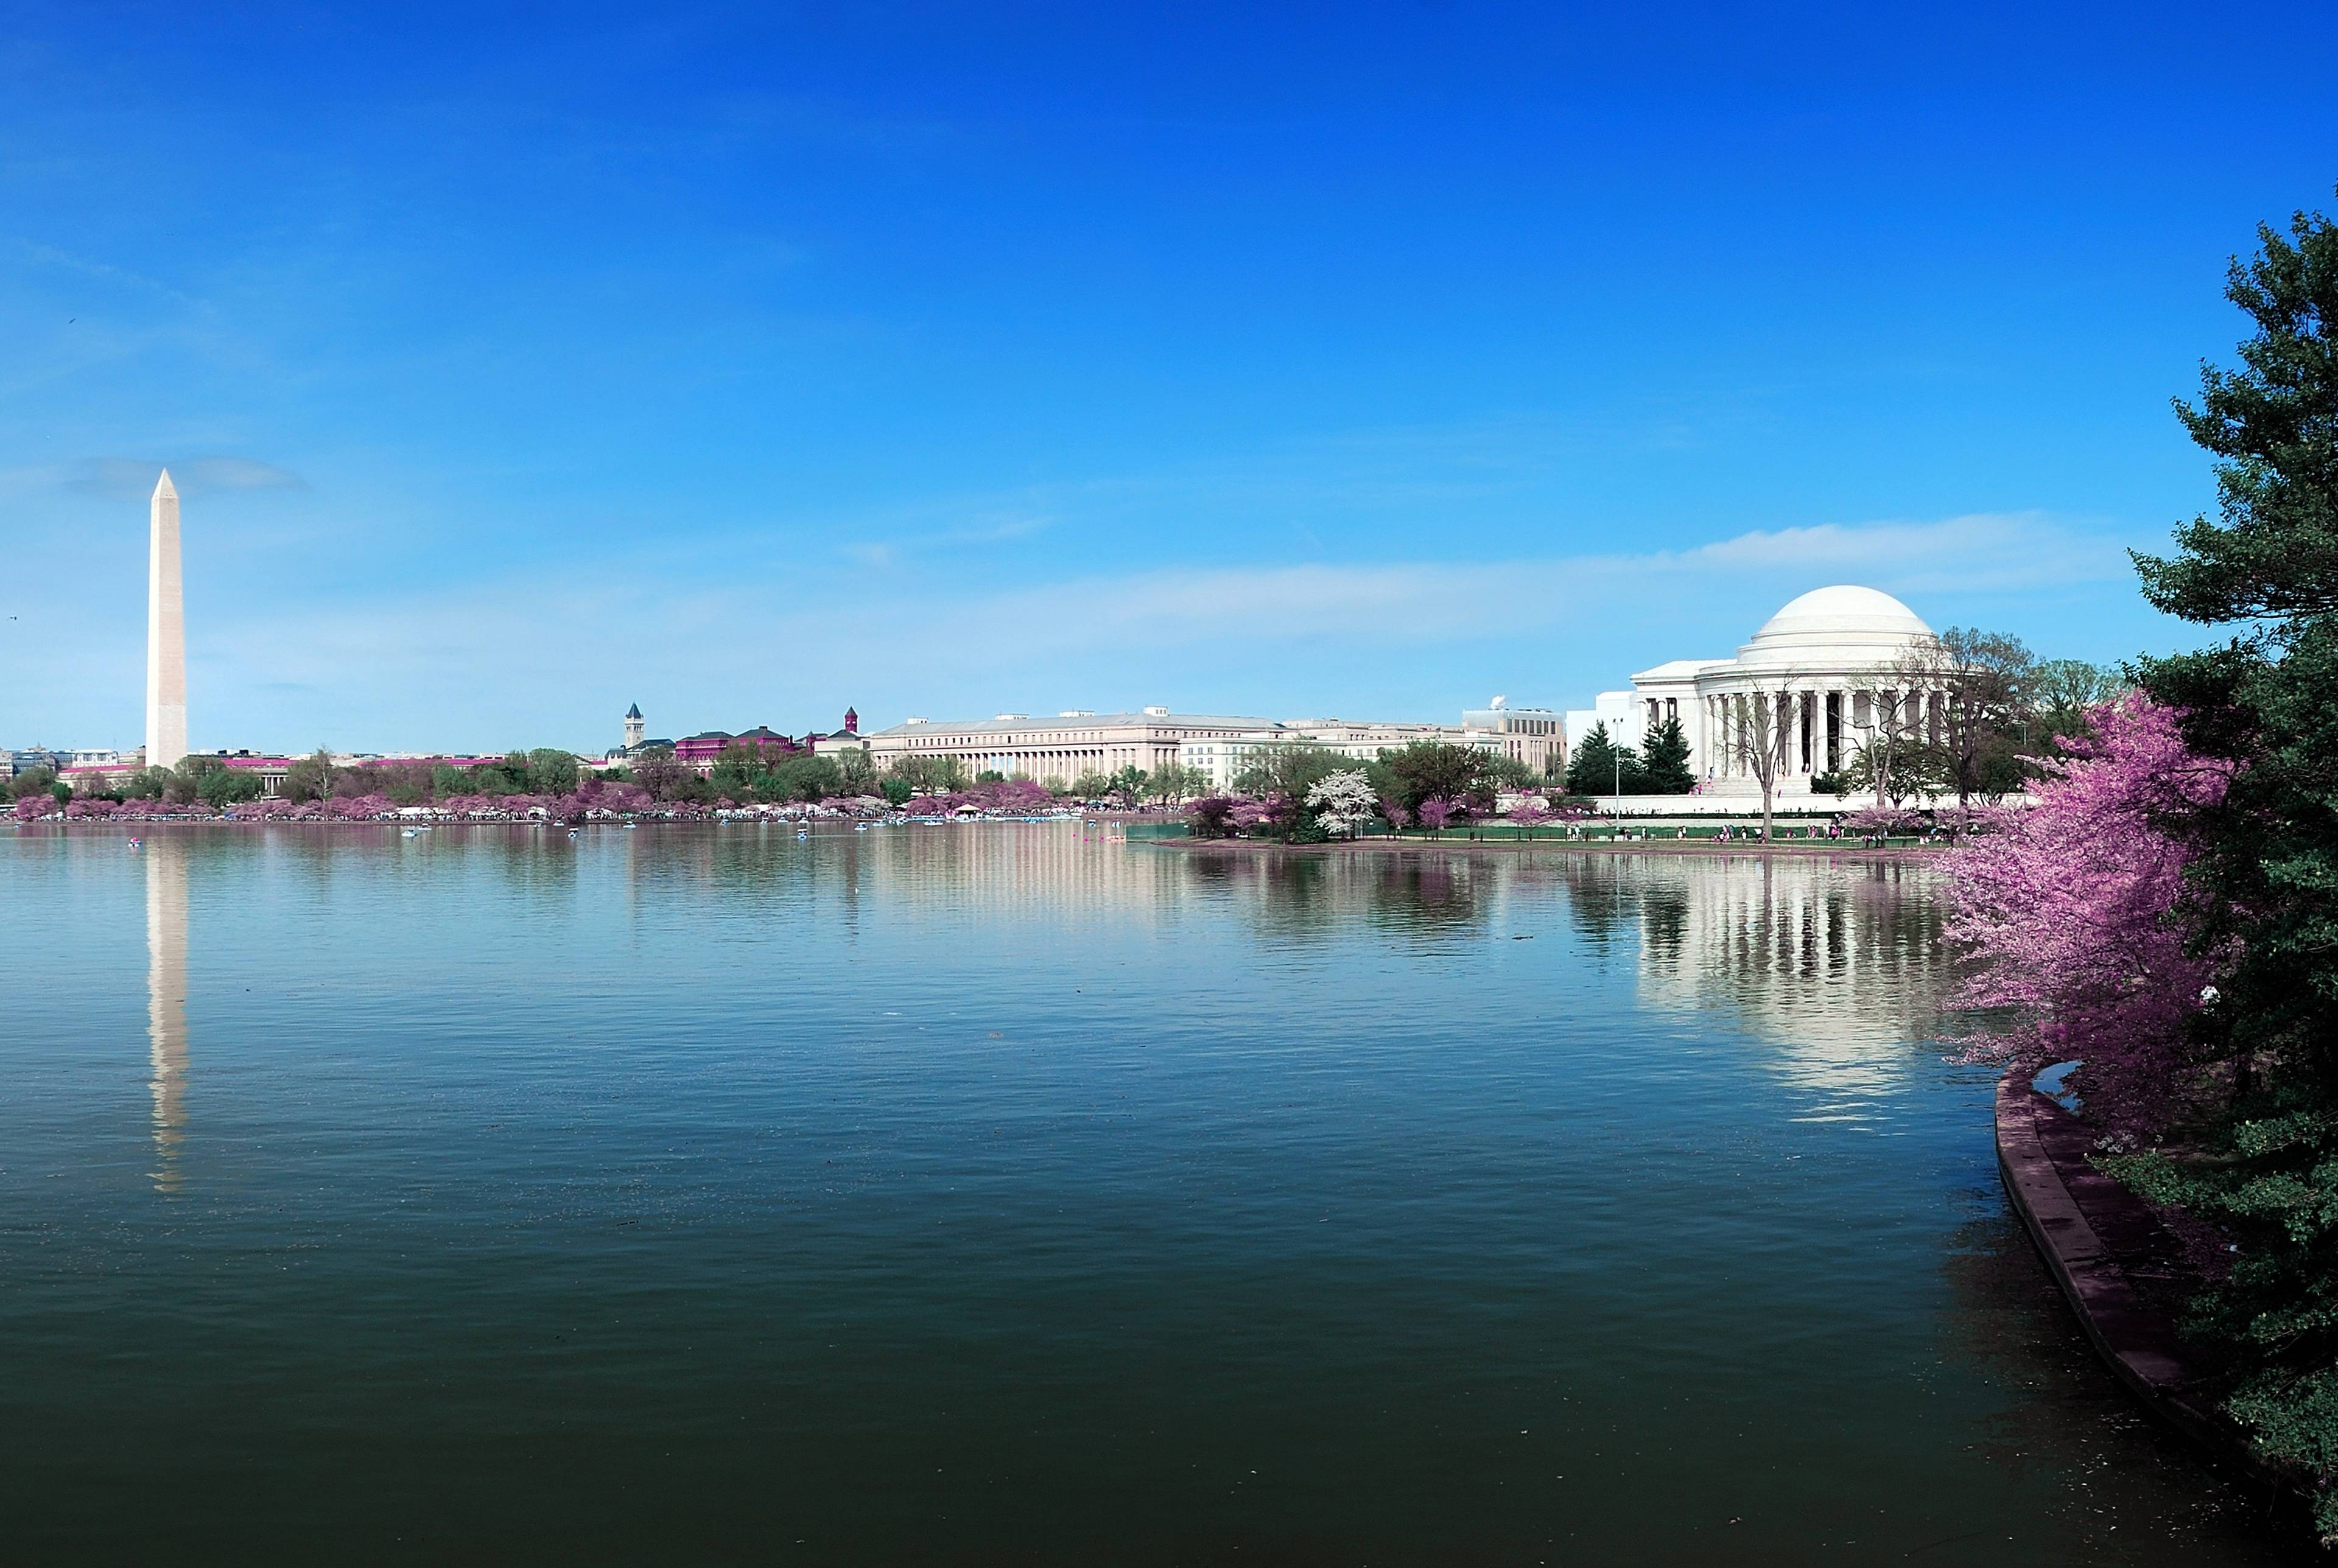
(1210,817)
(2065,912)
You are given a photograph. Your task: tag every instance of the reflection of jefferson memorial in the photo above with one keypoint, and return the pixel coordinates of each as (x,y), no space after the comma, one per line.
(1831,651)
(1837,970)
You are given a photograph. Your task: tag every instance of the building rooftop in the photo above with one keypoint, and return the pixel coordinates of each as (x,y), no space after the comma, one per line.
(1678,670)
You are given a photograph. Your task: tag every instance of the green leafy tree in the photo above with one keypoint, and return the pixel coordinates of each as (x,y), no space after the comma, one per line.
(801,778)
(223,786)
(856,772)
(1288,770)
(37,779)
(1504,772)
(1127,786)
(736,770)
(896,790)
(493,779)
(146,784)
(551,772)
(2061,693)
(928,775)
(1173,783)
(310,777)
(2264,879)
(1432,771)
(1664,760)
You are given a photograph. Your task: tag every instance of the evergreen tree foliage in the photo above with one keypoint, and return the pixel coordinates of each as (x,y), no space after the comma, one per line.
(1591,771)
(1599,765)
(1664,760)
(2264,880)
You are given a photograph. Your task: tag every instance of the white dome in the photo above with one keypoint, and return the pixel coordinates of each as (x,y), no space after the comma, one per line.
(1834,627)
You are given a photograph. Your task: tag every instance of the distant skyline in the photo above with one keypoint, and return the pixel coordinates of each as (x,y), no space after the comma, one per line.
(1356,361)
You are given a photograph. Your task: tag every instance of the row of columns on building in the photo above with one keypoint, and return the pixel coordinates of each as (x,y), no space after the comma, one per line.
(1821,738)
(1048,762)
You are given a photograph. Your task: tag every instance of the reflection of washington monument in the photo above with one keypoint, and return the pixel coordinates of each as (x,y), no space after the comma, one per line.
(166,999)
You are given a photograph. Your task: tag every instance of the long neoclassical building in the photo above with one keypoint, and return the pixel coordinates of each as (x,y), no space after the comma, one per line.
(1831,651)
(1217,746)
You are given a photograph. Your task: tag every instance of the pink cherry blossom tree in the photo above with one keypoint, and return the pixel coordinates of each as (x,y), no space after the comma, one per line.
(1246,815)
(2064,911)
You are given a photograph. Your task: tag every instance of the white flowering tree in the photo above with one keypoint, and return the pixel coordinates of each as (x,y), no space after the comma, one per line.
(1345,803)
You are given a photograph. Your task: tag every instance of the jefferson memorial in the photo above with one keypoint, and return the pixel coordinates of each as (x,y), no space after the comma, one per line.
(1832,651)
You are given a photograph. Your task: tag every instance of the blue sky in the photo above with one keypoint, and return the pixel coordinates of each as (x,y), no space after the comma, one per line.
(1365,360)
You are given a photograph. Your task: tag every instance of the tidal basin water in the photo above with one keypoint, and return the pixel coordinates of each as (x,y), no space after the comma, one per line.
(998,1194)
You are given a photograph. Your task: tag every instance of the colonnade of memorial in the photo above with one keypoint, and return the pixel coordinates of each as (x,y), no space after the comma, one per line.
(1830,720)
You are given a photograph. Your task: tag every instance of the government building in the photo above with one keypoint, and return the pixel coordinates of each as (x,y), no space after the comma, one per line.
(1831,652)
(1219,746)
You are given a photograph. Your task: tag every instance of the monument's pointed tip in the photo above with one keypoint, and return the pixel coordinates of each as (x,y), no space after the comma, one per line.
(163,487)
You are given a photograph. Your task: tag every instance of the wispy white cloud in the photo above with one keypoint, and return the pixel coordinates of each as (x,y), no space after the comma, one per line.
(133,478)
(106,272)
(1397,601)
(1418,602)
(1986,551)
(883,554)
(540,654)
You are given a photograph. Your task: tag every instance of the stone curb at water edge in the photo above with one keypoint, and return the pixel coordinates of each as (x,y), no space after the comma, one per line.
(2098,1237)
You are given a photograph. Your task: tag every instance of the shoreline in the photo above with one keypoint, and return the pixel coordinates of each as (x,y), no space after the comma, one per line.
(2113,1261)
(708,819)
(1832,848)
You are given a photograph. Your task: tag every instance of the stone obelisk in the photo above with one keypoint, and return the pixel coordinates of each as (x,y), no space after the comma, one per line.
(166,635)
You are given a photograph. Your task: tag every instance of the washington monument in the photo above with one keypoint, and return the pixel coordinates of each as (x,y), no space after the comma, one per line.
(166,635)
